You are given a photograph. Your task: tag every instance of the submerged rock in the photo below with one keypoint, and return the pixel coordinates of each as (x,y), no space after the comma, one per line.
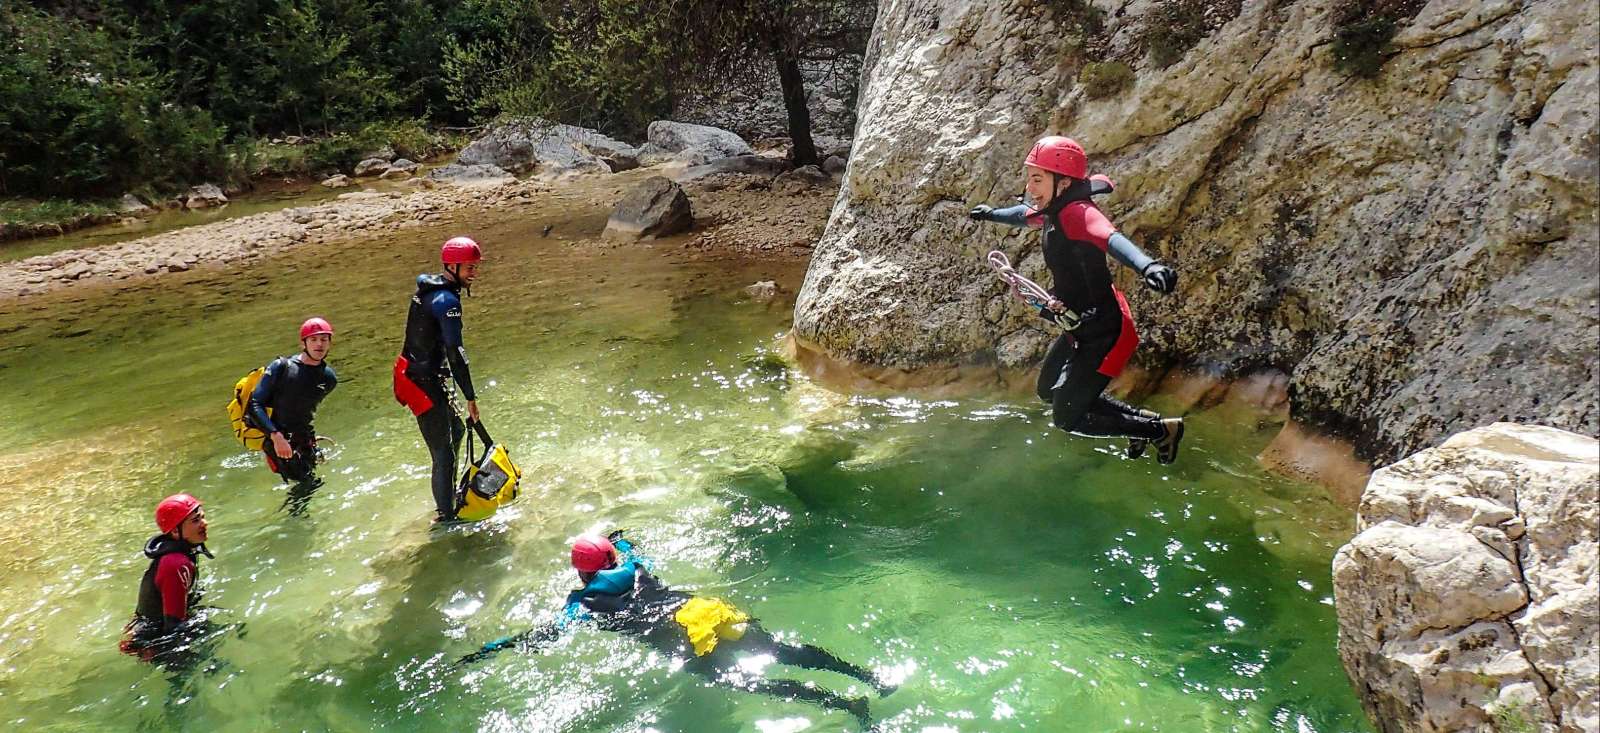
(657,207)
(1470,599)
(339,181)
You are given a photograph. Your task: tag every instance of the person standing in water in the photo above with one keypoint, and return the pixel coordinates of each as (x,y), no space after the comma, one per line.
(162,624)
(620,594)
(283,405)
(1100,335)
(433,354)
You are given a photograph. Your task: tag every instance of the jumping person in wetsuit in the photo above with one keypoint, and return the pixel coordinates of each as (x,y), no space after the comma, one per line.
(167,595)
(620,594)
(1076,239)
(432,354)
(291,388)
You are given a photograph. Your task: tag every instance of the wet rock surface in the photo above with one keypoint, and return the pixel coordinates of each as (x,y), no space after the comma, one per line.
(1404,247)
(1469,600)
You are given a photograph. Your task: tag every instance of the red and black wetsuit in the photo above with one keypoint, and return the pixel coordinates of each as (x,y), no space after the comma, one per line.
(433,353)
(1081,364)
(166,595)
(293,389)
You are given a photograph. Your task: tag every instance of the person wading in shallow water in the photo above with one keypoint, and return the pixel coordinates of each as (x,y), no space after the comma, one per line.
(620,594)
(162,627)
(432,354)
(1100,335)
(283,404)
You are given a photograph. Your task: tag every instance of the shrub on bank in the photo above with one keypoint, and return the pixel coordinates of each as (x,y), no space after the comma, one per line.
(79,118)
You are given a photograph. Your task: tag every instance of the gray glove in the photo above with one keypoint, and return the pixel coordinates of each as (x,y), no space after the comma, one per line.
(981,212)
(1160,278)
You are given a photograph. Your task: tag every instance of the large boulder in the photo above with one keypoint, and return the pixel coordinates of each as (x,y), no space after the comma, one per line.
(547,149)
(1469,600)
(1409,246)
(338,181)
(132,205)
(481,174)
(371,167)
(694,144)
(203,196)
(655,208)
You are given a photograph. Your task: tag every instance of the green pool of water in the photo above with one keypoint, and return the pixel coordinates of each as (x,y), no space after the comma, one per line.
(1009,577)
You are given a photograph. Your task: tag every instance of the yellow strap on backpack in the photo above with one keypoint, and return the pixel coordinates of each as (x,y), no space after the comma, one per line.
(709,620)
(249,435)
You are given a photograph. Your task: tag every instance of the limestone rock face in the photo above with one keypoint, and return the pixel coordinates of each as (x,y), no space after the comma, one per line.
(1418,250)
(544,148)
(657,207)
(1469,599)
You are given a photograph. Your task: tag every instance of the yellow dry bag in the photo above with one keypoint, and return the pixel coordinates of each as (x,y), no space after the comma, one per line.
(248,434)
(488,484)
(709,620)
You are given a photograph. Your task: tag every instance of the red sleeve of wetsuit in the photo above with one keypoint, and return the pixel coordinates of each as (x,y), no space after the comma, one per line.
(173,577)
(1083,222)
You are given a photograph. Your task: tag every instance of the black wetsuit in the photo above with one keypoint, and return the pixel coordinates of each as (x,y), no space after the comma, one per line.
(293,389)
(433,353)
(1081,363)
(628,599)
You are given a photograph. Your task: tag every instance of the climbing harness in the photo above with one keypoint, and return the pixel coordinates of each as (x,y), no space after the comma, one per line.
(1032,293)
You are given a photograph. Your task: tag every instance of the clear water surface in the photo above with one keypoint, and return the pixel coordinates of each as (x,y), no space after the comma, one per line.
(1010,578)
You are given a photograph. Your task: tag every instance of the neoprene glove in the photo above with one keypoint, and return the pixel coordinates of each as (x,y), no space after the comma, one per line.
(1160,278)
(981,212)
(614,535)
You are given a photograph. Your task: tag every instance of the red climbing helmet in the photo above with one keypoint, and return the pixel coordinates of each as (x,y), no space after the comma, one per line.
(460,251)
(173,510)
(314,326)
(592,553)
(1059,154)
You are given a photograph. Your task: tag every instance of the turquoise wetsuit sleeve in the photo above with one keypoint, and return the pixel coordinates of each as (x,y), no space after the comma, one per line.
(1125,251)
(1016,216)
(630,556)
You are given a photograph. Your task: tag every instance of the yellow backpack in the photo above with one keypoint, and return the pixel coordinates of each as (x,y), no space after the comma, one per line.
(488,484)
(248,434)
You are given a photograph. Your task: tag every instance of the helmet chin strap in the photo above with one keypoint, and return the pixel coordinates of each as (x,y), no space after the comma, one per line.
(455,274)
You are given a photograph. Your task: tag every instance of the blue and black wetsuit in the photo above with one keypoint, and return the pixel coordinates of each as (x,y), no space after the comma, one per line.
(629,599)
(292,389)
(433,353)
(1081,364)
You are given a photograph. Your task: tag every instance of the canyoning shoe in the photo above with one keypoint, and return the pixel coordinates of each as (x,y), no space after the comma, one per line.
(1167,447)
(1137,446)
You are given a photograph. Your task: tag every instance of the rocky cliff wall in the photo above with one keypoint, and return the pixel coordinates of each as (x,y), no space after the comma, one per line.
(1418,251)
(1470,600)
